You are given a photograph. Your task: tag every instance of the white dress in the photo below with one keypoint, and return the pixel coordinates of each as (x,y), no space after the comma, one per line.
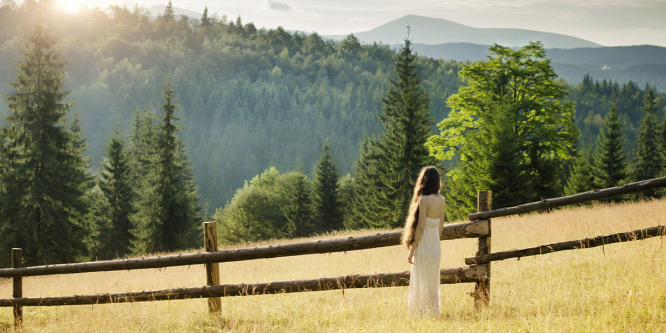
(424,288)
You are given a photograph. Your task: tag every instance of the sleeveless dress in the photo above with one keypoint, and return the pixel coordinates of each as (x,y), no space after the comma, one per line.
(424,288)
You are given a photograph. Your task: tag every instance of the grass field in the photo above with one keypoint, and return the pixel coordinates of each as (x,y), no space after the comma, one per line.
(616,288)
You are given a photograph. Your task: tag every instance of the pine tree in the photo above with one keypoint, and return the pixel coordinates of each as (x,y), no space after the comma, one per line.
(580,178)
(205,20)
(294,191)
(44,176)
(116,185)
(346,198)
(365,186)
(663,147)
(498,151)
(167,217)
(648,161)
(400,150)
(328,214)
(609,163)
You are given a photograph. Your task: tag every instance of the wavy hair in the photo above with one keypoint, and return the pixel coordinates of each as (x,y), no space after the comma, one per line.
(428,182)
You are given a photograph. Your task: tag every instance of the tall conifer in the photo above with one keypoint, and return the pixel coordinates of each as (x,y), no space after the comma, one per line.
(168,213)
(400,150)
(648,160)
(609,165)
(44,176)
(116,185)
(328,214)
(580,178)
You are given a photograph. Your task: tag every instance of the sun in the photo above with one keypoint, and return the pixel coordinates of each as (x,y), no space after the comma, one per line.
(71,6)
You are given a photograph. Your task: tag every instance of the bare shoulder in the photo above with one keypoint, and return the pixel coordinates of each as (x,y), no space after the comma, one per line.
(432,200)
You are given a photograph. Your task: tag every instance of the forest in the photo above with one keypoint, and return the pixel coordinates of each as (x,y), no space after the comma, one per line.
(271,133)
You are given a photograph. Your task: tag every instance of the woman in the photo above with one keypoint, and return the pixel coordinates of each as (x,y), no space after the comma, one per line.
(421,235)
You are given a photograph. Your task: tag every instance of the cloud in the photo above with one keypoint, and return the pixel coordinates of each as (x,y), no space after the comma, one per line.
(274,5)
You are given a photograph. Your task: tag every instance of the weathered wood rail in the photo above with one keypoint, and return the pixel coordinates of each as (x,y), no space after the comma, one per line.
(379,280)
(572,199)
(585,243)
(392,238)
(478,272)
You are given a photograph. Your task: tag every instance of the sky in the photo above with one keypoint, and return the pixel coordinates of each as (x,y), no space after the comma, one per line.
(606,22)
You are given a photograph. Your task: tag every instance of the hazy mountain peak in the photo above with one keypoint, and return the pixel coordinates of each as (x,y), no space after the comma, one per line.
(432,31)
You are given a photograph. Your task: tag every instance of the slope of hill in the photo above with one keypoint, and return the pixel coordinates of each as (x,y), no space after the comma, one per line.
(426,30)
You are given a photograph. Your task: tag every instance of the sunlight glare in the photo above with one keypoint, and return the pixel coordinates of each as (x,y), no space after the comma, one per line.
(71,6)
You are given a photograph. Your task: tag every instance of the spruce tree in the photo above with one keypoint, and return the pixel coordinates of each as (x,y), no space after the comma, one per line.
(205,20)
(609,163)
(167,217)
(400,150)
(328,214)
(648,161)
(580,178)
(365,185)
(117,187)
(44,176)
(663,147)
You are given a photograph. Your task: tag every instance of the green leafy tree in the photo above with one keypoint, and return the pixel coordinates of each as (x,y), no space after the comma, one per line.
(271,205)
(580,178)
(521,85)
(44,177)
(167,217)
(400,151)
(609,165)
(327,204)
(648,158)
(117,188)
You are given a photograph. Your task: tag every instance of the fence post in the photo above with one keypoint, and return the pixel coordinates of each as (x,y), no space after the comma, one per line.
(482,290)
(212,269)
(17,262)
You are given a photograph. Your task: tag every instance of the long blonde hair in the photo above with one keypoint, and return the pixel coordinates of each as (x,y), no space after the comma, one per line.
(428,182)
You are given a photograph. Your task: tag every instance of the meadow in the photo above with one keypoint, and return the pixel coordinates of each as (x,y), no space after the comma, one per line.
(614,288)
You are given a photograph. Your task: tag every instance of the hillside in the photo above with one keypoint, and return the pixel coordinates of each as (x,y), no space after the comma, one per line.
(249,99)
(618,287)
(432,31)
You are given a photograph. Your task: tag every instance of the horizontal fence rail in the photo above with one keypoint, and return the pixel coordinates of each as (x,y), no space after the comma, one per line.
(572,199)
(450,231)
(379,280)
(570,245)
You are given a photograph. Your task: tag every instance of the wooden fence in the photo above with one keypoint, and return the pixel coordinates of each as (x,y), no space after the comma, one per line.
(477,272)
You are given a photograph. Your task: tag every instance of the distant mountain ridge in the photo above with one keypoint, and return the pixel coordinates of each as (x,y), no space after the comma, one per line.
(643,64)
(432,31)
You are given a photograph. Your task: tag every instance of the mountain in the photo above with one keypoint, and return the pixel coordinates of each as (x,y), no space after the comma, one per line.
(643,64)
(432,31)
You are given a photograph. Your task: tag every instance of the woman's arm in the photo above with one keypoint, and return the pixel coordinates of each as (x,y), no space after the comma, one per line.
(441,221)
(420,227)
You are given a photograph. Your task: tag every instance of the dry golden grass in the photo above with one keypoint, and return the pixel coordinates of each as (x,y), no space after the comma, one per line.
(617,288)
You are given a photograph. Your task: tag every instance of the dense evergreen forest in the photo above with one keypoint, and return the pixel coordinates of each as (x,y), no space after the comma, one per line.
(220,103)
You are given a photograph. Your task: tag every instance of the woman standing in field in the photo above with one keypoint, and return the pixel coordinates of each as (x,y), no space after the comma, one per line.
(421,235)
